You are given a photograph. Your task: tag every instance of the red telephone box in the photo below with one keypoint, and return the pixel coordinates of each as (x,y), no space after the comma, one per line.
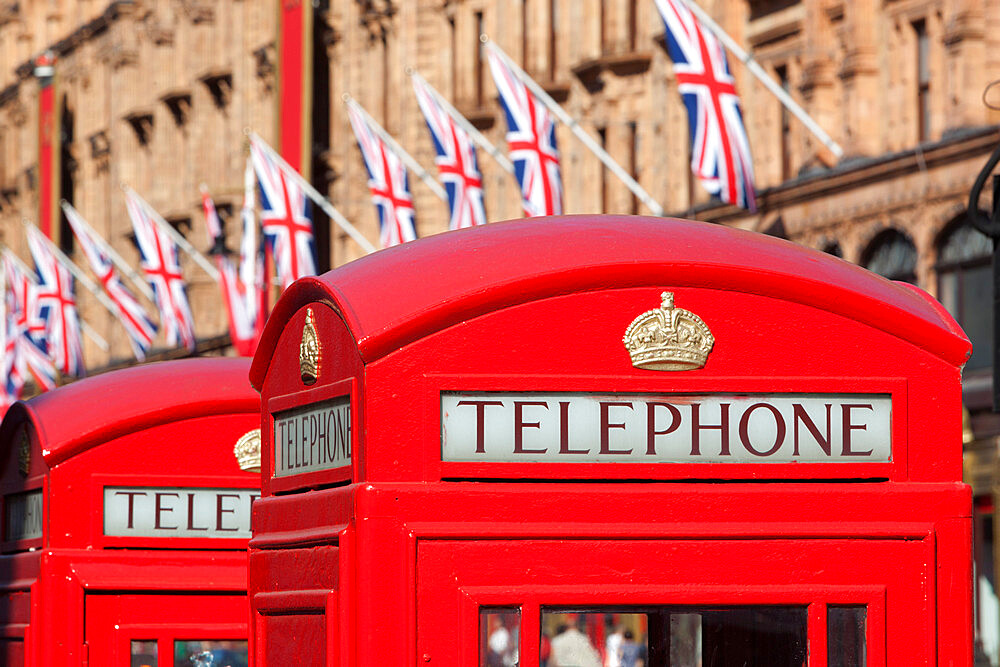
(126,517)
(571,440)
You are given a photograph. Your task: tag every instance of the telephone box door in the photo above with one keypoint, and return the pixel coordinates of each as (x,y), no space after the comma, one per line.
(156,630)
(779,602)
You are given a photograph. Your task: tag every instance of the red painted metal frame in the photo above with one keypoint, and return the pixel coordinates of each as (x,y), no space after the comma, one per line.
(168,424)
(277,404)
(173,618)
(531,599)
(541,305)
(445,279)
(72,420)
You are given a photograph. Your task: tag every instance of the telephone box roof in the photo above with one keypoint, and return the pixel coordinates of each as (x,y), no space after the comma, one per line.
(398,295)
(81,415)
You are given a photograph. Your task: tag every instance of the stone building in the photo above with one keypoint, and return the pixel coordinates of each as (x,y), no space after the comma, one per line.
(157,94)
(152,95)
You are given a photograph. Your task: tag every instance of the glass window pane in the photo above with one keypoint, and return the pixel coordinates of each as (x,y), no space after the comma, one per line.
(602,638)
(499,637)
(775,636)
(948,291)
(965,243)
(977,314)
(685,639)
(677,636)
(210,653)
(893,255)
(143,653)
(845,629)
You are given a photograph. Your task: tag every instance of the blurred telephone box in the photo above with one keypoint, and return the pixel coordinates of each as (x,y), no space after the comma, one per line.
(125,518)
(577,436)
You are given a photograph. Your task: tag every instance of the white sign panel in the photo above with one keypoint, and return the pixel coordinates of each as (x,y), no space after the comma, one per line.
(667,428)
(23,516)
(177,512)
(316,437)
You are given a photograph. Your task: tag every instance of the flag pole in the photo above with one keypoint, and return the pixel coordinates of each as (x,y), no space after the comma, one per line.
(764,78)
(117,259)
(314,194)
(574,127)
(470,129)
(176,236)
(89,331)
(400,151)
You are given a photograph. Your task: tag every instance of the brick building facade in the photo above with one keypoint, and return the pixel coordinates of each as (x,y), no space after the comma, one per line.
(157,94)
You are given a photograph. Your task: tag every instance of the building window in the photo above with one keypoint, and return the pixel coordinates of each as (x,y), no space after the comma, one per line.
(831,247)
(553,38)
(786,126)
(633,160)
(478,59)
(965,286)
(923,80)
(632,22)
(67,173)
(452,33)
(320,172)
(892,254)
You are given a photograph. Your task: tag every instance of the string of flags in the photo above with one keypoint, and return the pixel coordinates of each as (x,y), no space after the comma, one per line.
(40,327)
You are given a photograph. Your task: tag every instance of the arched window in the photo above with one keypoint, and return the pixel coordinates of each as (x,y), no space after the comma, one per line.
(965,285)
(831,247)
(893,255)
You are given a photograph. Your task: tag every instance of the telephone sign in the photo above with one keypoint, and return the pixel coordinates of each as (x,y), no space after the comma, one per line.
(589,428)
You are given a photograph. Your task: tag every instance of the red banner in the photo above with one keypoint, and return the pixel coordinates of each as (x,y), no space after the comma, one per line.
(294,85)
(48,146)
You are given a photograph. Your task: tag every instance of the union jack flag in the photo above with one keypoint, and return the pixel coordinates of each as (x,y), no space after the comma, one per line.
(13,383)
(284,217)
(253,274)
(163,271)
(241,325)
(389,184)
(531,141)
(56,306)
(720,150)
(458,168)
(24,351)
(138,325)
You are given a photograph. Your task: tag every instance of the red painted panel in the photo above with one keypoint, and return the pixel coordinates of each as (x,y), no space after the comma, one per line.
(454,578)
(170,426)
(287,634)
(420,544)
(12,652)
(340,372)
(115,621)
(444,279)
(71,420)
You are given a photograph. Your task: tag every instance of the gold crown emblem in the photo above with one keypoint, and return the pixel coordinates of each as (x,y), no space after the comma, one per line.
(247,451)
(309,350)
(668,338)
